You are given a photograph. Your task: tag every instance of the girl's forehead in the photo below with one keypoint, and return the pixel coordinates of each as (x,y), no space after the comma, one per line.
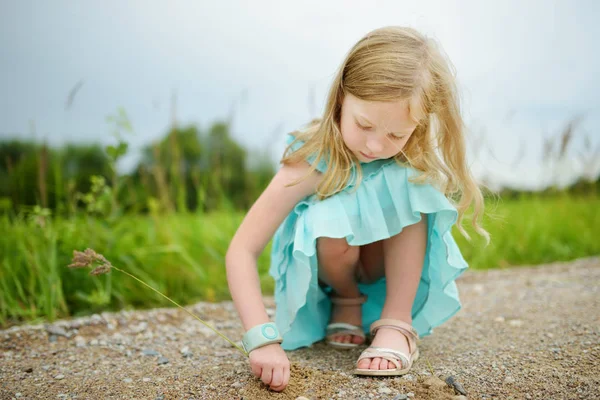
(394,114)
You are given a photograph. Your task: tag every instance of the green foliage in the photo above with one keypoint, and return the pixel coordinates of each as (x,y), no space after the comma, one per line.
(180,255)
(98,200)
(581,186)
(27,168)
(187,170)
(535,229)
(192,170)
(183,255)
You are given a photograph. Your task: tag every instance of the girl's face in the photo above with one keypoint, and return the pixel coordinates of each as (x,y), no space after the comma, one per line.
(375,130)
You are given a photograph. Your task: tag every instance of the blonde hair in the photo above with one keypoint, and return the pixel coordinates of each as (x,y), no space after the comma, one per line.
(390,64)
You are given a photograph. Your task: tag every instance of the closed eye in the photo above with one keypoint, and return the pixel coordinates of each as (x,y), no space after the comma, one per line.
(362,127)
(394,137)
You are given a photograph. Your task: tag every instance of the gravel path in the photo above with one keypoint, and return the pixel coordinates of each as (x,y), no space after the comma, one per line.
(524,333)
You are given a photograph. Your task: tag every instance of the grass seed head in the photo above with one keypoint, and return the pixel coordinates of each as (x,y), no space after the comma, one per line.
(89,258)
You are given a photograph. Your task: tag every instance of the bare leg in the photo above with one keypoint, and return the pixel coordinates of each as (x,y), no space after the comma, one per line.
(337,268)
(403,259)
(371,262)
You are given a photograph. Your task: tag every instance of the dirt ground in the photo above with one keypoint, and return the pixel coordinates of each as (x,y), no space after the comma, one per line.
(524,333)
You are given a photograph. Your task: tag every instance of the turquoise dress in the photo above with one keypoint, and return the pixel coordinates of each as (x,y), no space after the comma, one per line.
(382,205)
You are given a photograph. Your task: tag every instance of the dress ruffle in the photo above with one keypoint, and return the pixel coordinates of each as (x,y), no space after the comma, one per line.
(380,207)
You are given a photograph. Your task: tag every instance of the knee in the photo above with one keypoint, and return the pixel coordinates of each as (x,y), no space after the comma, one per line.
(336,248)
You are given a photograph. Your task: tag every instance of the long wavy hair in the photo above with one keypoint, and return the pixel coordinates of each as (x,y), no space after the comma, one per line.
(390,64)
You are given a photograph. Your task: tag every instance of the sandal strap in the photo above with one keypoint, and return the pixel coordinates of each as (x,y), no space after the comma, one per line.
(388,354)
(348,301)
(405,328)
(343,328)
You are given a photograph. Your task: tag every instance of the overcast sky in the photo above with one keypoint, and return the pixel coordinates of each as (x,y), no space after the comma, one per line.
(524,68)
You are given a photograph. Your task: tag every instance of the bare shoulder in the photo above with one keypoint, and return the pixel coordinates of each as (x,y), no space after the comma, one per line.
(301,173)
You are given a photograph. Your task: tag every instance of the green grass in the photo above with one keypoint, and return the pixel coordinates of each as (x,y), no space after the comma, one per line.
(535,230)
(182,255)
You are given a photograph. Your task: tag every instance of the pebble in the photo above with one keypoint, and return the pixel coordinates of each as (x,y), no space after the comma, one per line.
(163,360)
(516,323)
(28,369)
(94,342)
(150,352)
(139,328)
(53,338)
(458,388)
(56,331)
(79,341)
(59,376)
(460,397)
(410,394)
(161,318)
(301,398)
(385,390)
(17,395)
(409,377)
(401,396)
(127,380)
(509,379)
(237,385)
(499,319)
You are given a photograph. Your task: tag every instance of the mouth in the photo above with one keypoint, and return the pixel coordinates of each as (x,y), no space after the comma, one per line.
(366,156)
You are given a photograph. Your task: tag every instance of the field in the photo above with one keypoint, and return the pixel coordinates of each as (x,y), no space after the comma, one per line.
(182,254)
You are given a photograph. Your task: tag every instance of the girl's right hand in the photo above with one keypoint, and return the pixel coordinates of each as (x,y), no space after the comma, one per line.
(271,365)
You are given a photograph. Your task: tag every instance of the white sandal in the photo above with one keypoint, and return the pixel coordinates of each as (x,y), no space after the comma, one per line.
(343,328)
(402,362)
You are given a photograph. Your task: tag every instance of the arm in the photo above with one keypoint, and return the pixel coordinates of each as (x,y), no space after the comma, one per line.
(255,231)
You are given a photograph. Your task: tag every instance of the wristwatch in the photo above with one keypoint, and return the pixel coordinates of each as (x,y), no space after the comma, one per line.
(261,335)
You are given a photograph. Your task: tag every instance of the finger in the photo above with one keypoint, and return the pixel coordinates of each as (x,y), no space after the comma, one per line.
(266,375)
(256,370)
(277,378)
(285,381)
(286,375)
(277,388)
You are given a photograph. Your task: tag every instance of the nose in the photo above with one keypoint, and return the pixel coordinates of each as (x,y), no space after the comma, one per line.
(374,145)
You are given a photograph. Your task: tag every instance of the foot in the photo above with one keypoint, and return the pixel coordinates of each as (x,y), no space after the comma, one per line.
(389,338)
(350,314)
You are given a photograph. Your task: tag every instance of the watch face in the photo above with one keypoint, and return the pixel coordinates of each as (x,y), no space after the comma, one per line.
(269,332)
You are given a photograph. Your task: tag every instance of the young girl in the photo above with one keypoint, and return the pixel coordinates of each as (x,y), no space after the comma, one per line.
(361,212)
